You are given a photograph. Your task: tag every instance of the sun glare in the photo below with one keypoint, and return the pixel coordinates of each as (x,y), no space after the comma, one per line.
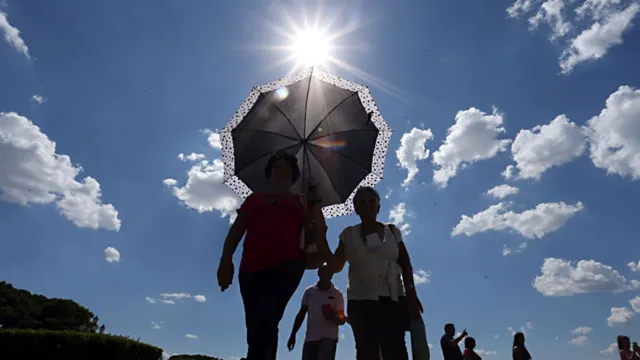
(311,47)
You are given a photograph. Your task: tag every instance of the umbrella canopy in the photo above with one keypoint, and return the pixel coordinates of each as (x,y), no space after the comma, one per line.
(330,124)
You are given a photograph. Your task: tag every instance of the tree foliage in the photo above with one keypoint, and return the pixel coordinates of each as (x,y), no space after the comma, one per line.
(195,357)
(72,345)
(20,309)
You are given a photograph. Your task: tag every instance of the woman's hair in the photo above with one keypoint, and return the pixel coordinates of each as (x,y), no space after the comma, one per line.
(517,339)
(365,189)
(623,342)
(290,159)
(469,342)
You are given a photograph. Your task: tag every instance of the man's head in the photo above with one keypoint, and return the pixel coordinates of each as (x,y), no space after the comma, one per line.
(449,329)
(325,275)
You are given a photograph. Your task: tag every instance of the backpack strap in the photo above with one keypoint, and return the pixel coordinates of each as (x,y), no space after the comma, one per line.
(395,231)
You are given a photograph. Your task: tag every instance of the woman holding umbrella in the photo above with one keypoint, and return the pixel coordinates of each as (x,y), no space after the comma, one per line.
(272,262)
(379,307)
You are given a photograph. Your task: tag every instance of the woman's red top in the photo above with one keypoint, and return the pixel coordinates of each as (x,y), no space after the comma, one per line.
(274,225)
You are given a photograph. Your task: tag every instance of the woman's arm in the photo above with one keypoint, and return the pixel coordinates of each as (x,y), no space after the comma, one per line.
(320,227)
(236,232)
(407,269)
(338,260)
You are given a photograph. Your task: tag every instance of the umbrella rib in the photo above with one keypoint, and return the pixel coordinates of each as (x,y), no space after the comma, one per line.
(328,177)
(289,120)
(341,132)
(236,171)
(306,106)
(342,156)
(329,113)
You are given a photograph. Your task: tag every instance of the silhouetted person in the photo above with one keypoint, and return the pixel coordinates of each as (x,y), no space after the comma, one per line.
(449,344)
(325,305)
(273,261)
(520,351)
(381,295)
(625,349)
(469,353)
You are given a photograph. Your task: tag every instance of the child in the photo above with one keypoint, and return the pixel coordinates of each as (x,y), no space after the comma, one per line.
(469,345)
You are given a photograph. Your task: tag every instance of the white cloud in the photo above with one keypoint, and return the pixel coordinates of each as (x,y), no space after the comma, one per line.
(595,42)
(176,296)
(615,134)
(191,336)
(421,277)
(33,173)
(529,325)
(550,12)
(150,299)
(496,336)
(191,157)
(170,302)
(635,267)
(486,352)
(509,172)
(533,223)
(169,182)
(513,331)
(472,138)
(579,340)
(635,304)
(38,99)
(598,9)
(157,325)
(582,330)
(560,278)
(112,254)
(205,191)
(396,216)
(520,7)
(612,349)
(621,317)
(213,139)
(546,146)
(200,298)
(12,35)
(413,149)
(502,191)
(508,251)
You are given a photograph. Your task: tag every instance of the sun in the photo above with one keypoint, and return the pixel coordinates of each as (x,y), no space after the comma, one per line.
(311,47)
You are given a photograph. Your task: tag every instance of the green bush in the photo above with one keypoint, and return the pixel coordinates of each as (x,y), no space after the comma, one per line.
(72,345)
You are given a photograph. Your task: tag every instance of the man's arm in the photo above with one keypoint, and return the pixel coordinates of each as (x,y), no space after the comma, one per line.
(297,323)
(457,340)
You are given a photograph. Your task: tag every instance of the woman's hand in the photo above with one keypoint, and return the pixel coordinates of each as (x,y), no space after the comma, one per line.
(415,306)
(225,274)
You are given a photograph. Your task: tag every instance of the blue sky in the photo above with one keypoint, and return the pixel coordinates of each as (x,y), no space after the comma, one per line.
(122,88)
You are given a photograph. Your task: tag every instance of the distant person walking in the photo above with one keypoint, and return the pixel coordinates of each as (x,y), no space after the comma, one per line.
(450,345)
(469,346)
(273,261)
(627,352)
(379,306)
(520,351)
(325,305)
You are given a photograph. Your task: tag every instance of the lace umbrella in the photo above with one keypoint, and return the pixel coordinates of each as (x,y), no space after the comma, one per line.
(330,124)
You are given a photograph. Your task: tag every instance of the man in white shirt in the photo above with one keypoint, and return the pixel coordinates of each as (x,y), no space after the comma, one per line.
(325,305)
